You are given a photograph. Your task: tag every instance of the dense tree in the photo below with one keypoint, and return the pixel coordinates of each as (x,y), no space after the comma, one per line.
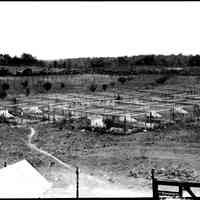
(112,84)
(93,87)
(62,85)
(104,87)
(27,91)
(122,80)
(47,86)
(24,84)
(3,94)
(5,86)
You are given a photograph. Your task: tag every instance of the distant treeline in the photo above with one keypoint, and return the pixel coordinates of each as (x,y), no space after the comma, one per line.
(124,65)
(25,59)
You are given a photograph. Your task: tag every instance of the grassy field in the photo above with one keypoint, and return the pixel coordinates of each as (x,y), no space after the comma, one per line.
(124,160)
(128,160)
(82,83)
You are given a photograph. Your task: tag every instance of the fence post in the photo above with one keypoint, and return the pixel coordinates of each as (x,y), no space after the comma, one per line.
(154,186)
(180,191)
(124,125)
(77,182)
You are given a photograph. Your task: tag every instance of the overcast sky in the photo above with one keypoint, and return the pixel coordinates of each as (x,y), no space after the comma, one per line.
(50,30)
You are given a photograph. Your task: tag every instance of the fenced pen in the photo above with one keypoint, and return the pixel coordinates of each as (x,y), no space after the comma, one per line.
(146,109)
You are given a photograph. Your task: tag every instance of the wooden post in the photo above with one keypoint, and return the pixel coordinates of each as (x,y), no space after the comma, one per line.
(124,125)
(48,113)
(154,186)
(77,182)
(150,119)
(180,191)
(54,117)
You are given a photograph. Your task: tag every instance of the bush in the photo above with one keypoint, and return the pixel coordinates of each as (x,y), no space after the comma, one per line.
(112,84)
(104,87)
(47,86)
(5,86)
(108,123)
(3,94)
(27,91)
(93,87)
(162,80)
(118,97)
(62,85)
(24,84)
(122,80)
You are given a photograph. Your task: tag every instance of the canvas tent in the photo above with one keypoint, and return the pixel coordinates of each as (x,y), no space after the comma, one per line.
(6,114)
(35,109)
(180,110)
(21,180)
(155,114)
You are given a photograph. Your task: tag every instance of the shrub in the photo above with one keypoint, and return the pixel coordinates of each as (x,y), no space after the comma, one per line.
(122,80)
(112,84)
(24,84)
(5,86)
(62,85)
(93,87)
(27,91)
(118,97)
(104,87)
(47,86)
(162,79)
(3,94)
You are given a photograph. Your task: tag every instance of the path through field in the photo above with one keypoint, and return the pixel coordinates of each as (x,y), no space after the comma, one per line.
(89,186)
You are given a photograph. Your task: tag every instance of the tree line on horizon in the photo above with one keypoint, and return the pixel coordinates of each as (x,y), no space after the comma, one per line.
(127,64)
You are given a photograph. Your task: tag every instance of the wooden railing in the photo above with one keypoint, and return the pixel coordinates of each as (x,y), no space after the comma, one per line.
(182,186)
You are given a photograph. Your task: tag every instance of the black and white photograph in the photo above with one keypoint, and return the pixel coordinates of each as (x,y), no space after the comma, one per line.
(100,99)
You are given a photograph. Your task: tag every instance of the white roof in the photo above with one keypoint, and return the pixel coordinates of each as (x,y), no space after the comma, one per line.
(98,122)
(180,110)
(6,114)
(34,109)
(155,114)
(22,180)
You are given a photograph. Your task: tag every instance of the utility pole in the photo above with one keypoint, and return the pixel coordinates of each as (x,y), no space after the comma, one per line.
(77,182)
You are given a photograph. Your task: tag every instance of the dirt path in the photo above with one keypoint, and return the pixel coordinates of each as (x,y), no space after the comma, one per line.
(89,186)
(33,146)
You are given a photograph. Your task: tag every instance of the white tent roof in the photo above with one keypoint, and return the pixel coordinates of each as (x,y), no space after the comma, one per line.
(6,114)
(180,110)
(34,109)
(155,114)
(22,180)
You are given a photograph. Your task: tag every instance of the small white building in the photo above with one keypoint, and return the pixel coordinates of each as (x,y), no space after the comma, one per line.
(128,118)
(96,121)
